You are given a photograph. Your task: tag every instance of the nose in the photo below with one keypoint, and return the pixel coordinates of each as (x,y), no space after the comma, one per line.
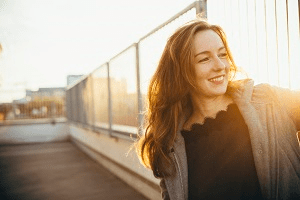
(219,64)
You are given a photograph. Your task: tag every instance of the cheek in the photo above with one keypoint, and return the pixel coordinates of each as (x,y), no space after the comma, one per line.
(227,63)
(202,71)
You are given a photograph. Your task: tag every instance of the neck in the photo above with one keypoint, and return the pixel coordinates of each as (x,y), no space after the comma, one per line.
(209,107)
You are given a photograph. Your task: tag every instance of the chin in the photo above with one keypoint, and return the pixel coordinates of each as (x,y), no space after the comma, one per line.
(219,91)
(211,90)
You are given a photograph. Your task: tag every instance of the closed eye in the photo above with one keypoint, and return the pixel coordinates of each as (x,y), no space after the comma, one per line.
(223,55)
(204,60)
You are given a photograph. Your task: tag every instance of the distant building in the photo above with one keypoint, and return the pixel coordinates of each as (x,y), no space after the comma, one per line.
(43,103)
(72,79)
(20,101)
(58,92)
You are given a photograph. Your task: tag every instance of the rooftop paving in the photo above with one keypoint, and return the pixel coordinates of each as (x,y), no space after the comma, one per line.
(58,171)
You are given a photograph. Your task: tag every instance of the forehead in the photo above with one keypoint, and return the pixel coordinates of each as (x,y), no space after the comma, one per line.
(207,40)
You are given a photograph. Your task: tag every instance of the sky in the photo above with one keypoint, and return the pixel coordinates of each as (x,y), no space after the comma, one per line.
(43,41)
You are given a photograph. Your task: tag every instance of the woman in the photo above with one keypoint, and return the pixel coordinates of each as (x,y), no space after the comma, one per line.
(209,137)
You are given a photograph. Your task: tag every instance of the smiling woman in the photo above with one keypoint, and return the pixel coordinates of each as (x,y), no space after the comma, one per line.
(212,67)
(207,135)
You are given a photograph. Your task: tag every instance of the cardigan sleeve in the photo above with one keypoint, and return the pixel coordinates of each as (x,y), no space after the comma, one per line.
(164,191)
(290,99)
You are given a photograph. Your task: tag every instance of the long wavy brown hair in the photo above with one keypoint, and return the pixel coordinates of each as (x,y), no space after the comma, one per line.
(169,96)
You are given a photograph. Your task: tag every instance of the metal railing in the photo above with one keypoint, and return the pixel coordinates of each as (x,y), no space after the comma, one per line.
(264,37)
(112,97)
(41,108)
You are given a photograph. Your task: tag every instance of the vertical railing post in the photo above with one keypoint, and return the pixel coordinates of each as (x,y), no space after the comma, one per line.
(201,8)
(109,100)
(299,14)
(288,41)
(80,106)
(69,105)
(77,104)
(139,94)
(72,105)
(93,102)
(65,108)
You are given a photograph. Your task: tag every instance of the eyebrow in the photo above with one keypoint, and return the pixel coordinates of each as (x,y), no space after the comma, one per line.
(205,52)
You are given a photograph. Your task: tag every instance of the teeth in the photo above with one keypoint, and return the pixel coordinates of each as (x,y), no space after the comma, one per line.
(217,79)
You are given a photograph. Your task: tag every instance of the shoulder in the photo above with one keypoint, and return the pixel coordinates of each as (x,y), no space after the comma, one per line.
(263,92)
(283,95)
(275,94)
(245,90)
(284,98)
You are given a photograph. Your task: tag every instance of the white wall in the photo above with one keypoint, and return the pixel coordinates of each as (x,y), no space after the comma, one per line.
(45,132)
(118,156)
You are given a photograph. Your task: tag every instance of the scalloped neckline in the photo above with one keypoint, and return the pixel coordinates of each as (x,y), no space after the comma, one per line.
(221,115)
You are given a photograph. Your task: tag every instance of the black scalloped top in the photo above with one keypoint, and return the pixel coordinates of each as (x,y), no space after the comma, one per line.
(210,124)
(220,158)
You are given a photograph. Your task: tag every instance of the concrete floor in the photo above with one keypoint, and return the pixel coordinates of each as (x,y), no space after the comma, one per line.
(58,171)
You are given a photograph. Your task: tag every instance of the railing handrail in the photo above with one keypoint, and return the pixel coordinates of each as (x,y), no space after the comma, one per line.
(189,7)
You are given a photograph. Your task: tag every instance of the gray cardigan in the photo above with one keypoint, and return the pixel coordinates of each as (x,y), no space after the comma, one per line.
(272,115)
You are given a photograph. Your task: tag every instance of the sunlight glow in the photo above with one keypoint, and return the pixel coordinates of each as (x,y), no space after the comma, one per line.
(263,36)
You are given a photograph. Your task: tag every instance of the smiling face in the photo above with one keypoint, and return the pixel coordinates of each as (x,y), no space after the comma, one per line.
(211,64)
